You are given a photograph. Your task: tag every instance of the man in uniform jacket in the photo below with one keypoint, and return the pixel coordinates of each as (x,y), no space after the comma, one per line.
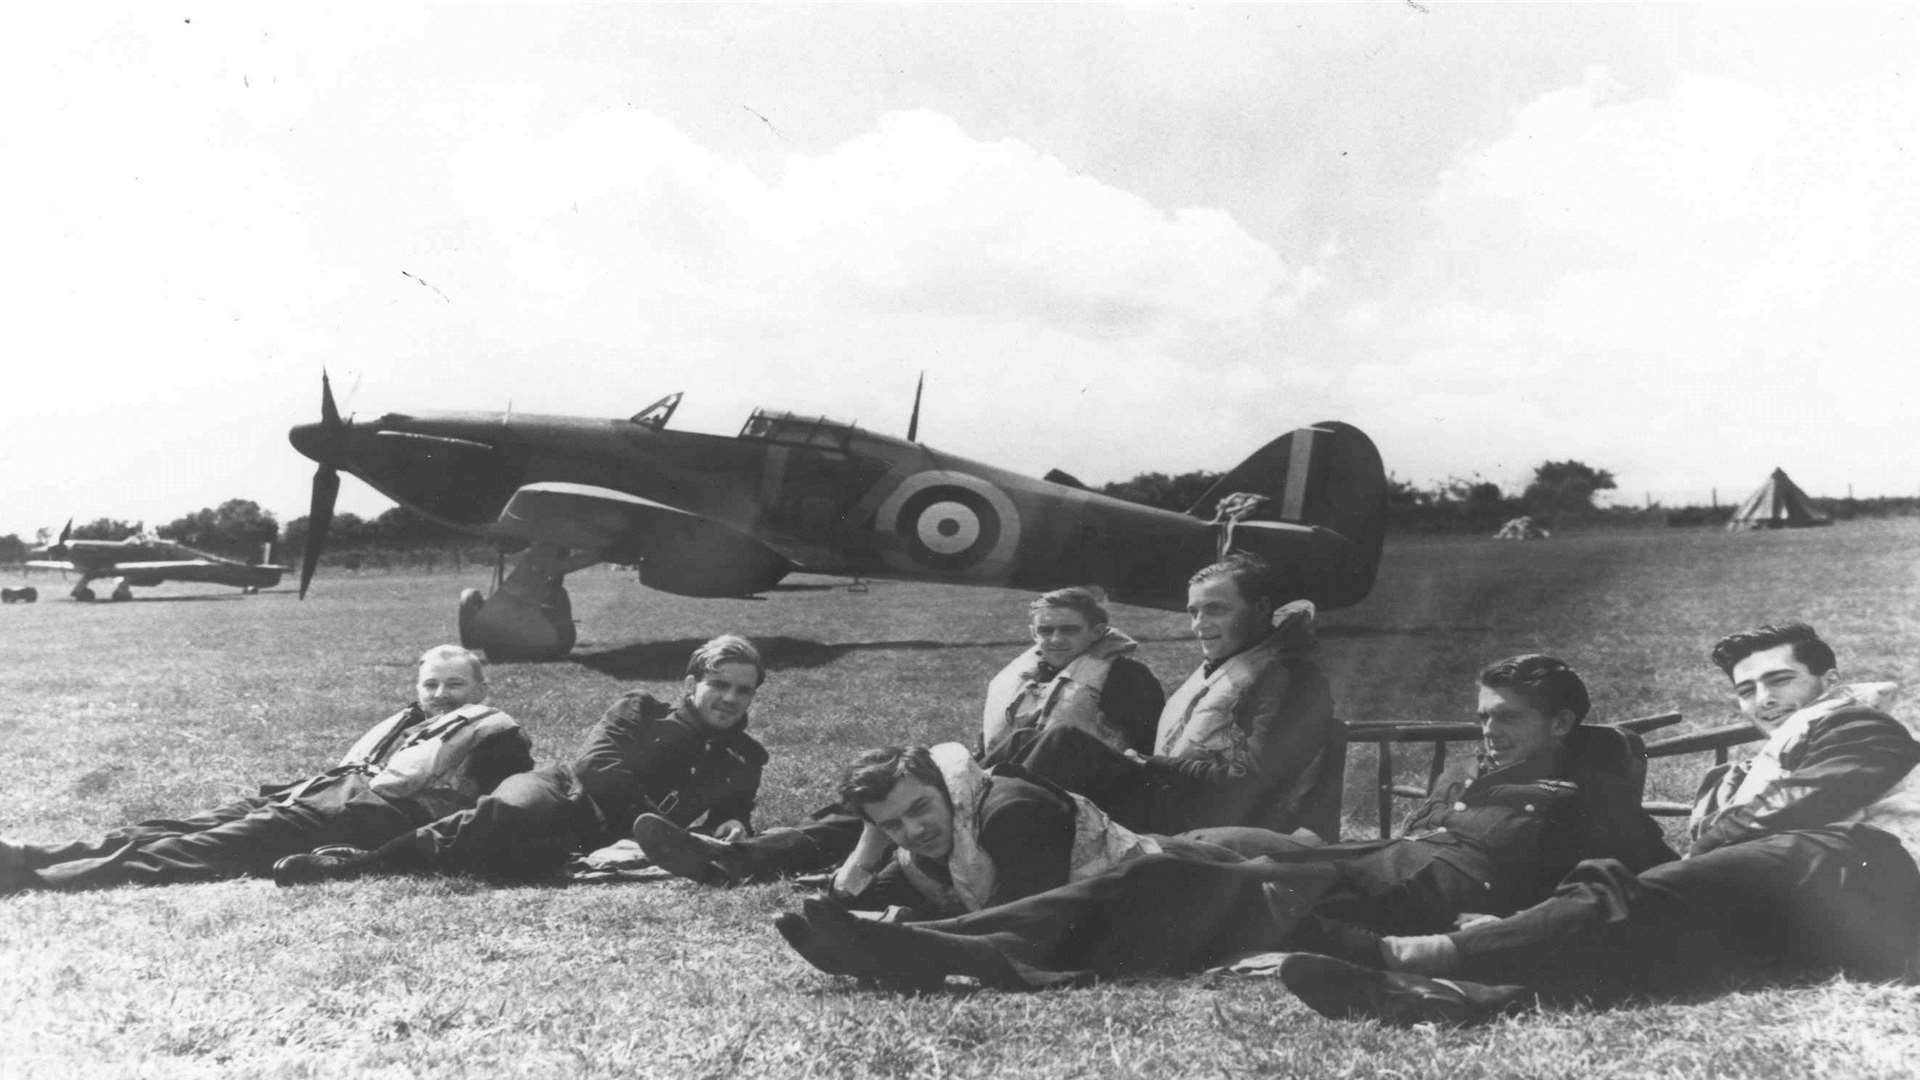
(434,757)
(1551,793)
(692,762)
(1801,861)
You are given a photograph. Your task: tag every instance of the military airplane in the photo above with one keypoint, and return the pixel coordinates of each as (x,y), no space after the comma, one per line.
(713,516)
(146,561)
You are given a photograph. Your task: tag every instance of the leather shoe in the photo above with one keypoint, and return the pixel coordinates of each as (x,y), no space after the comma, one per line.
(1342,991)
(684,853)
(332,863)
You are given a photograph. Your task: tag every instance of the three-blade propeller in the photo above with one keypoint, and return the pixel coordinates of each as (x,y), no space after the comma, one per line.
(326,483)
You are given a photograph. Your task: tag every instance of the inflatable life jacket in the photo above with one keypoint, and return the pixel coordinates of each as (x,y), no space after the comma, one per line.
(1017,698)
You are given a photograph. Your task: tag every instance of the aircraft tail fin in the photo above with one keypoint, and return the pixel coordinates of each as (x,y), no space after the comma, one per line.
(1322,488)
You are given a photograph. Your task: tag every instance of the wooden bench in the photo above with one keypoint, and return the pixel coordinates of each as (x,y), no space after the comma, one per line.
(1385,734)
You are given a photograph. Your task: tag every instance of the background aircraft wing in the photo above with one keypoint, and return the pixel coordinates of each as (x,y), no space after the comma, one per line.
(677,551)
(50,564)
(160,566)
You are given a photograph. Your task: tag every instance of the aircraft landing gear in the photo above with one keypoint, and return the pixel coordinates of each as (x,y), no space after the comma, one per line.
(122,591)
(529,616)
(81,592)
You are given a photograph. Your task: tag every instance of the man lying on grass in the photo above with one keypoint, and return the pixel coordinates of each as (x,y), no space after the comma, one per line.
(692,762)
(1802,862)
(1079,680)
(1242,742)
(1550,792)
(436,756)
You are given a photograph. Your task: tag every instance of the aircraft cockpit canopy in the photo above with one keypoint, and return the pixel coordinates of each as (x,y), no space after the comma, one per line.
(792,429)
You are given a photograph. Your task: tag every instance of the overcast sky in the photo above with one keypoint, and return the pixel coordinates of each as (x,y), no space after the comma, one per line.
(1680,243)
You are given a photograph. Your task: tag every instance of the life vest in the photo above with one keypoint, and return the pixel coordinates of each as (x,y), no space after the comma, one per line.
(1198,720)
(428,762)
(1017,698)
(1896,812)
(1099,843)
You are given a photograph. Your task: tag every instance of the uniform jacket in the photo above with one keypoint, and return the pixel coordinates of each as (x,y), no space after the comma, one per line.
(1242,744)
(1027,695)
(1518,829)
(645,756)
(443,763)
(1839,760)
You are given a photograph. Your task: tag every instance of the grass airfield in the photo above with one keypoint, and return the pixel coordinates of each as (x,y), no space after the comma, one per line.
(188,695)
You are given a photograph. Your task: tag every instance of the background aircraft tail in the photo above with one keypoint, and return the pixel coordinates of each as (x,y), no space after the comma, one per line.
(1318,514)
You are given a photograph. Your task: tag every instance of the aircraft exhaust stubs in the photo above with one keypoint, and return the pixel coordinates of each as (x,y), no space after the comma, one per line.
(951,523)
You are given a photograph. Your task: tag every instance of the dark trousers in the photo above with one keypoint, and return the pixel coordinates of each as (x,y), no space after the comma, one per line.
(245,836)
(1200,902)
(38,856)
(817,845)
(527,828)
(1814,900)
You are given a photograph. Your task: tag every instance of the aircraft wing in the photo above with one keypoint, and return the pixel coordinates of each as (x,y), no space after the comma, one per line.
(582,516)
(677,551)
(161,566)
(49,564)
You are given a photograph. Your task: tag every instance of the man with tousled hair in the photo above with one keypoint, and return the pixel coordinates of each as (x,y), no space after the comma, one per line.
(436,756)
(1549,792)
(1056,711)
(692,761)
(1801,861)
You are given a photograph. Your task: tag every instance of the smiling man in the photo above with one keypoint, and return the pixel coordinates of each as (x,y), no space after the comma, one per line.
(692,762)
(434,757)
(1244,740)
(1801,861)
(1552,791)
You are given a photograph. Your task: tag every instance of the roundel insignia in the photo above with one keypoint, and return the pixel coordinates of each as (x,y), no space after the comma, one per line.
(950,523)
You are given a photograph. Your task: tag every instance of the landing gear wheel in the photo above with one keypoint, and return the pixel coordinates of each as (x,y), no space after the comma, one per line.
(81,592)
(506,626)
(122,592)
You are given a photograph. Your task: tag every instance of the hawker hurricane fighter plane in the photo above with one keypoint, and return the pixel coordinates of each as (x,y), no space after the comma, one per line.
(146,561)
(713,516)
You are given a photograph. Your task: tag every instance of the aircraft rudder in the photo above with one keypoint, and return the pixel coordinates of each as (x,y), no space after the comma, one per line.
(1328,475)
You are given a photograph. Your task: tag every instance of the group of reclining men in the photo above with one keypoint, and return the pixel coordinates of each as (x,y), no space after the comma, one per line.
(1097,830)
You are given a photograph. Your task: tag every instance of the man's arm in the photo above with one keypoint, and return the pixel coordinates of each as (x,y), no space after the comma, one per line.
(1846,763)
(503,750)
(1029,837)
(1132,700)
(628,753)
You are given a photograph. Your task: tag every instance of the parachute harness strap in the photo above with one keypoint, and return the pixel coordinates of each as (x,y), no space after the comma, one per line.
(1229,511)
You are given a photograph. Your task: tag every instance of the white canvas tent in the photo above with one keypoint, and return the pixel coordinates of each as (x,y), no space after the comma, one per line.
(1778,504)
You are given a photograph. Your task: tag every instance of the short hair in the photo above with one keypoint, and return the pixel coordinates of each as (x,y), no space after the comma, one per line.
(474,660)
(726,649)
(874,774)
(1808,649)
(1545,682)
(1089,602)
(1250,574)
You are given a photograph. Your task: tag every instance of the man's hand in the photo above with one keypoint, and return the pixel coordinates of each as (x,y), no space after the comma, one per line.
(1134,756)
(1472,918)
(730,830)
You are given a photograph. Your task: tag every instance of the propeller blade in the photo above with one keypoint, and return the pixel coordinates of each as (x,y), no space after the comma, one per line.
(913,422)
(66,532)
(329,412)
(326,486)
